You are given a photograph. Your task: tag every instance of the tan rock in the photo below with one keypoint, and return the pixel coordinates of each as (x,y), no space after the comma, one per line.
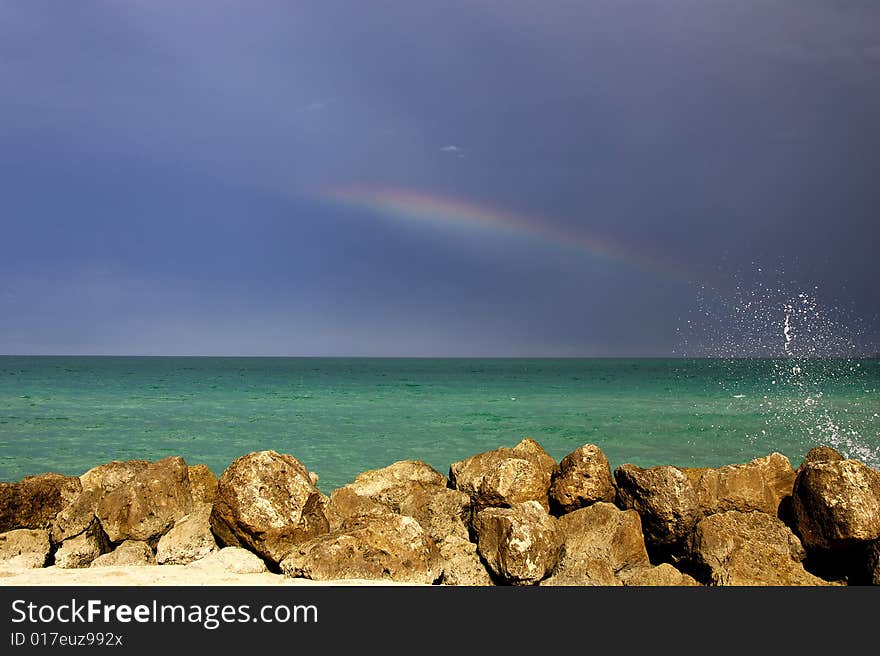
(663,575)
(584,477)
(504,477)
(109,476)
(441,511)
(77,516)
(190,539)
(534,451)
(390,485)
(460,563)
(202,483)
(820,454)
(598,542)
(754,548)
(836,504)
(231,559)
(390,547)
(24,548)
(871,571)
(587,570)
(665,500)
(81,550)
(521,544)
(603,532)
(267,503)
(34,501)
(762,484)
(130,553)
(345,503)
(147,505)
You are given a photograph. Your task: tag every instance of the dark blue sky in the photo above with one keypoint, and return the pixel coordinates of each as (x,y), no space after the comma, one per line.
(164,167)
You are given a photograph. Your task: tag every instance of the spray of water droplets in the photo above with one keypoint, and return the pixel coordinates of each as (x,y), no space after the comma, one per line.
(817,372)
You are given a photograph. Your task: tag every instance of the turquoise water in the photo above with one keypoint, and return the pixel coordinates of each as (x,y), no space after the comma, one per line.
(342,416)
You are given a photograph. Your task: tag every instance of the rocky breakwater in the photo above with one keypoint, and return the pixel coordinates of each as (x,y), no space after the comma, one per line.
(510,516)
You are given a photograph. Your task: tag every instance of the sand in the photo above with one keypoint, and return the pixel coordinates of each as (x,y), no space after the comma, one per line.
(156,575)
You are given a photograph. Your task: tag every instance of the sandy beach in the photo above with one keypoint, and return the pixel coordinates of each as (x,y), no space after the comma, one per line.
(159,575)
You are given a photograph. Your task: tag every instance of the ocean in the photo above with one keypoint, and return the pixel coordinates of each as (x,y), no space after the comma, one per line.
(341,416)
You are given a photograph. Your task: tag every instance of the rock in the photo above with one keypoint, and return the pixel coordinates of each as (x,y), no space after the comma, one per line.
(836,504)
(753,548)
(820,454)
(521,544)
(871,572)
(390,547)
(34,501)
(390,485)
(107,477)
(762,484)
(76,517)
(603,532)
(665,500)
(202,483)
(583,571)
(663,575)
(267,502)
(97,482)
(134,553)
(584,477)
(232,559)
(81,550)
(534,451)
(504,477)
(442,512)
(25,548)
(460,563)
(190,539)
(598,542)
(147,505)
(344,504)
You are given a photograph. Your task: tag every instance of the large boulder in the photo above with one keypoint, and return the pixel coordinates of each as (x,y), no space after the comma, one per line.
(202,483)
(24,547)
(666,502)
(34,501)
(267,502)
(663,575)
(99,481)
(390,547)
(190,539)
(584,477)
(390,485)
(763,484)
(598,542)
(505,477)
(836,504)
(520,545)
(81,550)
(604,532)
(753,548)
(146,506)
(134,553)
(233,560)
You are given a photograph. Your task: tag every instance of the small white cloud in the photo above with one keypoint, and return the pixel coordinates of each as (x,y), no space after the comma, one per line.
(453,150)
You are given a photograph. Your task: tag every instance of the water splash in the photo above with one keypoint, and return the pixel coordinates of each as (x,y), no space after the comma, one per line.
(810,354)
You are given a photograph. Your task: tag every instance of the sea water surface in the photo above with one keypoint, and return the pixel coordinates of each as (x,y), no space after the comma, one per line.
(341,416)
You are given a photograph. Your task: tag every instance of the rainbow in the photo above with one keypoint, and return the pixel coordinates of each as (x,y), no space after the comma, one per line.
(416,206)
